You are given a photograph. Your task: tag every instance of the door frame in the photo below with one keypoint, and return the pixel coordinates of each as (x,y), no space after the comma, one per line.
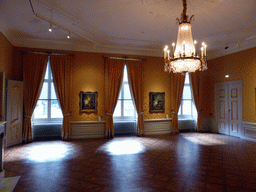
(216,103)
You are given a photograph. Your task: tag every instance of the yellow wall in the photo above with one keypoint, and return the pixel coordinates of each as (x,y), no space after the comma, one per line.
(239,66)
(88,75)
(6,57)
(156,80)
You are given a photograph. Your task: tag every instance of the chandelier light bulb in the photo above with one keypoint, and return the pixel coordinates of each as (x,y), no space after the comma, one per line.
(195,42)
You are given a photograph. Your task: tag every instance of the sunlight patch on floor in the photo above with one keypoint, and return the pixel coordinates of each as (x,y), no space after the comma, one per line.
(123,147)
(48,152)
(205,139)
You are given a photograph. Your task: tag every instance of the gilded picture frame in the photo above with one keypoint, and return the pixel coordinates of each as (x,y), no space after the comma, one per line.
(156,102)
(88,102)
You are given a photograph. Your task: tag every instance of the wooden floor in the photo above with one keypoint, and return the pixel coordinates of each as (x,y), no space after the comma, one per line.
(183,162)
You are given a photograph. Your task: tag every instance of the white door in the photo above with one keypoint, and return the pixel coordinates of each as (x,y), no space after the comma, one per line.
(235,108)
(229,107)
(14,112)
(222,108)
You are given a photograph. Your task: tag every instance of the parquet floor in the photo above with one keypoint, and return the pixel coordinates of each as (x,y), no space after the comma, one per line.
(183,162)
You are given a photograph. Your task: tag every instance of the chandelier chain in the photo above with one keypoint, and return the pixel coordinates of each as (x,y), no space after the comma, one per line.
(184,7)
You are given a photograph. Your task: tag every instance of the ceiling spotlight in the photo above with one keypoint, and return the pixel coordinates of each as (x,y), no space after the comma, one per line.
(50,28)
(226,46)
(68,36)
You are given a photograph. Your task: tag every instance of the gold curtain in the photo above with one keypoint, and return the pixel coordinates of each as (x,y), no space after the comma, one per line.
(34,66)
(135,74)
(177,83)
(113,81)
(196,85)
(61,71)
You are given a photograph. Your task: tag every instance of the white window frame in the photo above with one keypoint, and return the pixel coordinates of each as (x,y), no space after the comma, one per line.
(193,114)
(47,120)
(121,98)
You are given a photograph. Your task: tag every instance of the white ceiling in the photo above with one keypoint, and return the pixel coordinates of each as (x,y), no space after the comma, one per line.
(138,27)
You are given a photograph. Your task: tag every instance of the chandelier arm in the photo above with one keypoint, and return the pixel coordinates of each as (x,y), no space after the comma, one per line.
(191,18)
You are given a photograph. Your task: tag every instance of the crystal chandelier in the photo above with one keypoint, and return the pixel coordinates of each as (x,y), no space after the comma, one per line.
(184,57)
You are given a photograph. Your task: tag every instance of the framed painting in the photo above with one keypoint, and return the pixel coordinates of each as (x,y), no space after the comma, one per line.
(88,102)
(156,102)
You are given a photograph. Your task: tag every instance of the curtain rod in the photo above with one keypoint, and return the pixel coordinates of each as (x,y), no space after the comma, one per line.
(45,53)
(125,58)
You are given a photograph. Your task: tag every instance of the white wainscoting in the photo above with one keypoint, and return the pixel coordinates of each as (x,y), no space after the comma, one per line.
(248,131)
(158,126)
(87,129)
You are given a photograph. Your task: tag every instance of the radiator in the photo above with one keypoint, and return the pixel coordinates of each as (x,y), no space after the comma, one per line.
(46,131)
(87,129)
(187,125)
(125,128)
(158,126)
(248,131)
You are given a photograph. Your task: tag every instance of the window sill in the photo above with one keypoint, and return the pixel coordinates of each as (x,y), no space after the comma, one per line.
(124,121)
(186,119)
(47,123)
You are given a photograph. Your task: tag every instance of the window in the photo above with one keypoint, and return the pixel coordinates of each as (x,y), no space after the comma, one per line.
(125,110)
(187,108)
(47,108)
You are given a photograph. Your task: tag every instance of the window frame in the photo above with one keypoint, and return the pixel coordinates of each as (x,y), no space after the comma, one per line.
(49,81)
(122,100)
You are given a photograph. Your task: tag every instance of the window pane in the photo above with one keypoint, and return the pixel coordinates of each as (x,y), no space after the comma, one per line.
(127,93)
(194,111)
(120,94)
(187,108)
(128,108)
(187,78)
(117,112)
(55,109)
(179,113)
(53,93)
(125,78)
(44,91)
(41,109)
(47,71)
(186,92)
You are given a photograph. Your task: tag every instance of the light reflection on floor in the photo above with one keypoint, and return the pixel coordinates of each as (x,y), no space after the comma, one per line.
(123,147)
(205,139)
(48,152)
